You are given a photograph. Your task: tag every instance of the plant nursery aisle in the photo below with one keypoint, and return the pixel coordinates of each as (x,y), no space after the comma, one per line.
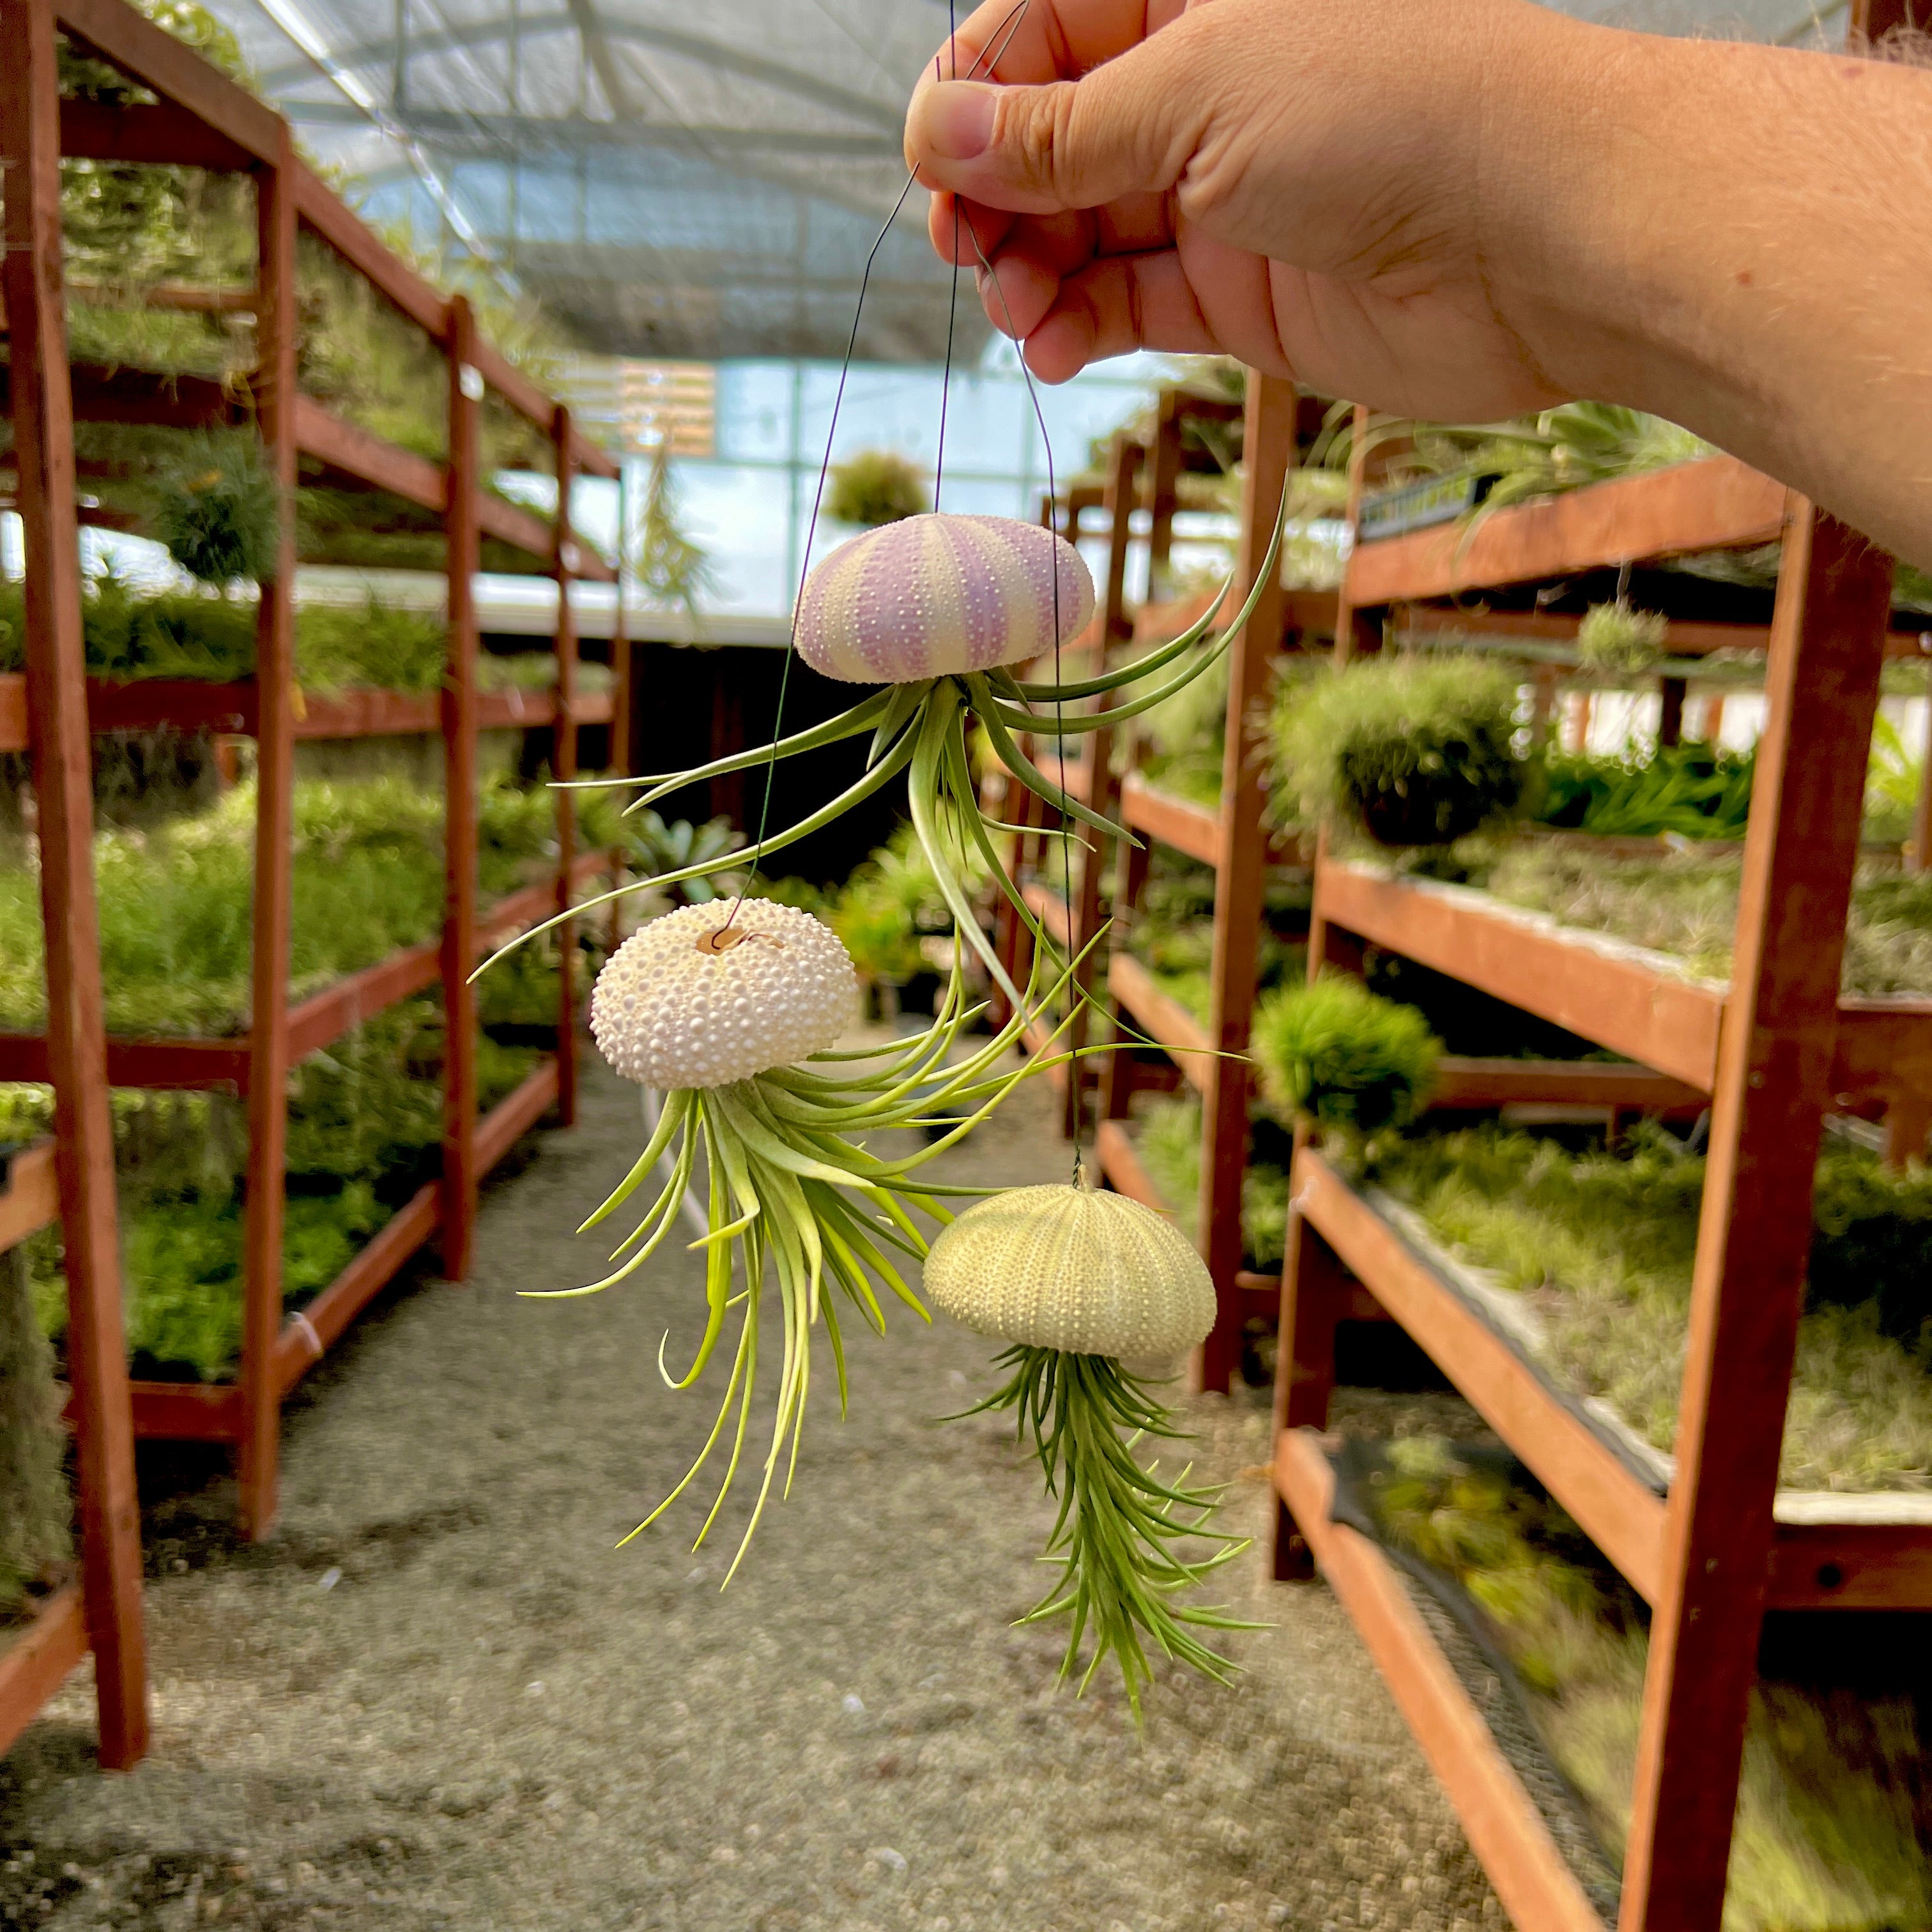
(437,1697)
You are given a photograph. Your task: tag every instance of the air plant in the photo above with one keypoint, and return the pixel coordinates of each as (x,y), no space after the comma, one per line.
(731,1018)
(218,512)
(934,609)
(1075,1279)
(1618,640)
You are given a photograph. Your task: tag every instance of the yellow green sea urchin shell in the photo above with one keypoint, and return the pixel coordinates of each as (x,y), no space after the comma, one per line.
(684,1002)
(1068,1268)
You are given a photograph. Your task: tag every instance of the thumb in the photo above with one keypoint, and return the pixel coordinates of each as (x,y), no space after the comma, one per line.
(1072,144)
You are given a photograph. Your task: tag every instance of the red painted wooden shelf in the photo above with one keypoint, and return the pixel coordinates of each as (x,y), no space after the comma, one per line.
(1853,1562)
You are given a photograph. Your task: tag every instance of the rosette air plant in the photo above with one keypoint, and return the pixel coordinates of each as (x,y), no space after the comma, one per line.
(934,611)
(731,1016)
(1076,1281)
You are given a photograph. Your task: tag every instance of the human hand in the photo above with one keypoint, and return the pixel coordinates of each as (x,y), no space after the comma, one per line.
(1304,186)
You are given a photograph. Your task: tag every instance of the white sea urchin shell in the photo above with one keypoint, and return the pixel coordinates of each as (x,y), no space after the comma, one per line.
(1067,1267)
(669,1013)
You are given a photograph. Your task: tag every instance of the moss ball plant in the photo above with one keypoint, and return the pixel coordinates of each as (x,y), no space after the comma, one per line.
(1073,1279)
(874,486)
(1618,640)
(1336,1053)
(1411,750)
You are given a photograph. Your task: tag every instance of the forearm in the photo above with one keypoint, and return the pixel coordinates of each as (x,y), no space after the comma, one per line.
(1723,234)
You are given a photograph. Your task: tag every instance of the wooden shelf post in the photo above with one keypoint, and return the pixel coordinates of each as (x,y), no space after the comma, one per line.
(1754,1233)
(274,808)
(563,768)
(459,750)
(1269,446)
(1112,626)
(110,1545)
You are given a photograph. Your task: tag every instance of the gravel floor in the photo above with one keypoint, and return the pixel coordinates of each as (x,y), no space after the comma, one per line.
(438,1697)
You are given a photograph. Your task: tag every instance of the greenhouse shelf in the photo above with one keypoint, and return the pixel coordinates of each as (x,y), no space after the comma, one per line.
(1708,1539)
(1505,1830)
(201,118)
(1830,1550)
(1715,504)
(189,704)
(101,1612)
(218,1412)
(1635,1002)
(1160,1018)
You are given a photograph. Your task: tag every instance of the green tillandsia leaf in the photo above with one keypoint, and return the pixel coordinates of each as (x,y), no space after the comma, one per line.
(834,730)
(880,775)
(1120,1532)
(902,708)
(1143,666)
(1074,723)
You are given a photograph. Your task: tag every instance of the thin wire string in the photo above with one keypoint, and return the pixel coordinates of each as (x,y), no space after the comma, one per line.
(990,59)
(1059,703)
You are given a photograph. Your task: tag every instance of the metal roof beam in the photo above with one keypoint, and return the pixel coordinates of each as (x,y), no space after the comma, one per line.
(697,47)
(528,138)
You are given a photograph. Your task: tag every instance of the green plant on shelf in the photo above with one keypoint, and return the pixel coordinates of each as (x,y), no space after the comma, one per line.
(1168,1143)
(35,1509)
(872,487)
(654,846)
(1831,1819)
(1332,1051)
(1414,750)
(1604,1244)
(216,511)
(367,879)
(1687,791)
(892,905)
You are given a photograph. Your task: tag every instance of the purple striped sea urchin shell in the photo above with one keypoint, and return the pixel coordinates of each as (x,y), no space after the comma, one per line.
(938,594)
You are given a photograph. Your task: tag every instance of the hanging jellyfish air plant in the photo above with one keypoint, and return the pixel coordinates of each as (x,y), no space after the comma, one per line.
(1075,1280)
(934,609)
(732,1019)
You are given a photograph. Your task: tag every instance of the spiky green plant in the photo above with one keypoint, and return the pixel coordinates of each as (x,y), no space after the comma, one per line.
(1340,1055)
(1412,750)
(218,512)
(796,1200)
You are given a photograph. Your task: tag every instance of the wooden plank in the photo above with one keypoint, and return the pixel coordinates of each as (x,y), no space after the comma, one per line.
(1687,638)
(13,732)
(510,524)
(31,1200)
(1192,830)
(322,211)
(1716,504)
(1612,1504)
(1505,1830)
(1755,1231)
(1461,1081)
(1161,1017)
(39,1660)
(163,133)
(460,1169)
(184,703)
(277,328)
(347,451)
(507,1122)
(1122,467)
(325,1017)
(1048,907)
(188,1412)
(1609,993)
(306,1337)
(590,707)
(40,402)
(510,383)
(1240,866)
(148,397)
(563,763)
(174,71)
(1120,1165)
(1850,1566)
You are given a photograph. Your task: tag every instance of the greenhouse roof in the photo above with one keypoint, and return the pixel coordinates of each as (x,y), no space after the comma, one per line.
(678,180)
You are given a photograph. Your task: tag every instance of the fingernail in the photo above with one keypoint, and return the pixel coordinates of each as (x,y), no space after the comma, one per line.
(958,119)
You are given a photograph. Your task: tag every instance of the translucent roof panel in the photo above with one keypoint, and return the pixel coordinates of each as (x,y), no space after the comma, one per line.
(699,178)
